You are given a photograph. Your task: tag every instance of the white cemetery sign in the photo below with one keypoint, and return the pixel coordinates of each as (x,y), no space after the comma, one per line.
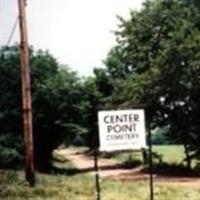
(122,130)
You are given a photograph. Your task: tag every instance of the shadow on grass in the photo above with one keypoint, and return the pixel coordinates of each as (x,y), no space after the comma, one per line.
(62,171)
(176,170)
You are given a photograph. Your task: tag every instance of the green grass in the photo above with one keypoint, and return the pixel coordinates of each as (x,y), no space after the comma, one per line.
(170,154)
(82,187)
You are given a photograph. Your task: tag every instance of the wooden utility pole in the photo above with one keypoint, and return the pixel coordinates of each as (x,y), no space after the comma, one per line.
(26,95)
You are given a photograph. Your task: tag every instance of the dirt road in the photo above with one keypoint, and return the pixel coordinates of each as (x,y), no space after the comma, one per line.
(114,170)
(107,167)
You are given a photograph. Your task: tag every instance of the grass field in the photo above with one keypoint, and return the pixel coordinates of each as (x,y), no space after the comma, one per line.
(82,187)
(171,154)
(78,186)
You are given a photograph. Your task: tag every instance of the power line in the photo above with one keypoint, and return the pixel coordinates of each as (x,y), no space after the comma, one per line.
(12,31)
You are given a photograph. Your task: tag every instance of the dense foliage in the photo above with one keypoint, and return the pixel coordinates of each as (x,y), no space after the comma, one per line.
(56,99)
(156,65)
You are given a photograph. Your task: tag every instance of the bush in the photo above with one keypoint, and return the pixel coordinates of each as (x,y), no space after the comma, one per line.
(160,137)
(11,148)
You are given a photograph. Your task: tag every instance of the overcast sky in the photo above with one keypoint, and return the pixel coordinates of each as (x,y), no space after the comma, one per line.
(76,32)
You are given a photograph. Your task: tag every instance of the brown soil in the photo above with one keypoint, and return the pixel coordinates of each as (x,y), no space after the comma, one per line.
(114,170)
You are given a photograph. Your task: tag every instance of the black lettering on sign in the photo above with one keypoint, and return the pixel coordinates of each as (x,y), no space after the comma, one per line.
(118,119)
(106,119)
(124,136)
(121,128)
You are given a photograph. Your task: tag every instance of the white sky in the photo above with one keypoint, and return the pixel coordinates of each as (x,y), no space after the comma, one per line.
(77,32)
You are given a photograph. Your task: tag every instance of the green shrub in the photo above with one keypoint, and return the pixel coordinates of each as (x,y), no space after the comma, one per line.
(10,151)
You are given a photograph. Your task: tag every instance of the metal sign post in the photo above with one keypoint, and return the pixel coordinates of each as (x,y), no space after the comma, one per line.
(98,190)
(151,186)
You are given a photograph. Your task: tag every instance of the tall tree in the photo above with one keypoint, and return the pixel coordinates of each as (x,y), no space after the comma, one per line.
(156,64)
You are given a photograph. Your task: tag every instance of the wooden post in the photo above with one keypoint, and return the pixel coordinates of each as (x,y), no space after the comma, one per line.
(26,95)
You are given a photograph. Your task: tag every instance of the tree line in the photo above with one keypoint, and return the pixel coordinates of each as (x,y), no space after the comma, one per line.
(155,65)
